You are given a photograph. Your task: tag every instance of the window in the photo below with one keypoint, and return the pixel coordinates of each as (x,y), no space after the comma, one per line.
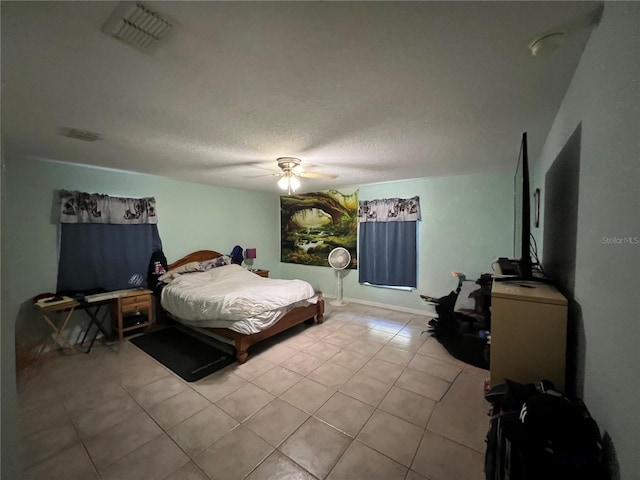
(388,242)
(106,242)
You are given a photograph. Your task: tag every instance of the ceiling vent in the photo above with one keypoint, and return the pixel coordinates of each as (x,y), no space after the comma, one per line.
(84,135)
(136,25)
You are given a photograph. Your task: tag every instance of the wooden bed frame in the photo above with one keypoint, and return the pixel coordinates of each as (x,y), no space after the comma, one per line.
(242,341)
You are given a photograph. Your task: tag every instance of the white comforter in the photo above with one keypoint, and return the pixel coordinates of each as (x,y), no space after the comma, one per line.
(232,297)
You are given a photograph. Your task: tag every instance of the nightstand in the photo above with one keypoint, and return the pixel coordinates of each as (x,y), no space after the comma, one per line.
(262,273)
(134,311)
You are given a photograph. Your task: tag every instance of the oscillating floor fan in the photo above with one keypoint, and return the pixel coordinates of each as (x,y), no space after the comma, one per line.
(339,259)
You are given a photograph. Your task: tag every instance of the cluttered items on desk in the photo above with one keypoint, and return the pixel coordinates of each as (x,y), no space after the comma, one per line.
(46,300)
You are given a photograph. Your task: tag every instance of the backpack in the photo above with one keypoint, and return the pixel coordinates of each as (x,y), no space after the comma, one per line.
(537,432)
(158,266)
(236,255)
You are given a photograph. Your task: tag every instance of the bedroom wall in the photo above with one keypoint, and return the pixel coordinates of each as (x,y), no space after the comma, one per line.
(190,217)
(597,134)
(467,221)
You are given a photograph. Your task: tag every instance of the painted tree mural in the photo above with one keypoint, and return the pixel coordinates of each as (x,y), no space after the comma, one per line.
(313,224)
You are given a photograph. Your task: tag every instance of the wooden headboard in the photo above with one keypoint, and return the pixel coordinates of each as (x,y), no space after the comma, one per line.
(199,256)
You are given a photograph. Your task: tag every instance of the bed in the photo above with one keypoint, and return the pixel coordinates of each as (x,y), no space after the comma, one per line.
(189,299)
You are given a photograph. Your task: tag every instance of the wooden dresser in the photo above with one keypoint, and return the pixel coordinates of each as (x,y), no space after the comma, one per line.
(528,333)
(262,273)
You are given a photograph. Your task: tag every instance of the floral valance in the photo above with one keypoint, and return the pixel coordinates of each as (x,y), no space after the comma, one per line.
(389,210)
(81,207)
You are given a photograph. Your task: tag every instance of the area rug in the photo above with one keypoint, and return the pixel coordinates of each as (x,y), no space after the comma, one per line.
(184,353)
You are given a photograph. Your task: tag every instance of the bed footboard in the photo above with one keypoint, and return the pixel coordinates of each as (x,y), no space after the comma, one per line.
(298,315)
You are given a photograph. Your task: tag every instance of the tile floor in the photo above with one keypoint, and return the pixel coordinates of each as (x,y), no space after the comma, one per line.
(365,395)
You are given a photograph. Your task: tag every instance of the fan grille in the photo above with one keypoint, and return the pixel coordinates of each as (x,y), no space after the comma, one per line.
(339,258)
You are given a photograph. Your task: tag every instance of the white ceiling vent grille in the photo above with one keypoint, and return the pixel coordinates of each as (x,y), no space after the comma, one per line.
(136,25)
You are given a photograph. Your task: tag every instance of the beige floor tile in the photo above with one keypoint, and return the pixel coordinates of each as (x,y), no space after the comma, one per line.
(441,459)
(253,368)
(174,410)
(104,416)
(219,385)
(133,376)
(413,344)
(278,467)
(339,338)
(121,439)
(411,475)
(331,375)
(377,336)
(277,353)
(388,326)
(71,464)
(423,384)
(275,422)
(202,429)
(152,461)
(437,368)
(391,436)
(316,447)
(234,455)
(367,389)
(88,398)
(300,342)
(461,415)
(408,405)
(323,350)
(158,391)
(39,418)
(244,402)
(303,363)
(364,347)
(354,330)
(400,317)
(34,395)
(277,380)
(414,332)
(362,462)
(395,355)
(349,360)
(308,395)
(345,413)
(45,443)
(189,471)
(382,370)
(433,348)
(419,322)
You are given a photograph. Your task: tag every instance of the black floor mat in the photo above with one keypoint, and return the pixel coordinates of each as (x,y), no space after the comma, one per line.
(188,356)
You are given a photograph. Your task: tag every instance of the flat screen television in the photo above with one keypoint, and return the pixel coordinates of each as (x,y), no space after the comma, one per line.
(525,244)
(522,217)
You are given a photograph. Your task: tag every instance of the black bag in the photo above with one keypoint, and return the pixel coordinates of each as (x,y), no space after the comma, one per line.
(158,266)
(539,433)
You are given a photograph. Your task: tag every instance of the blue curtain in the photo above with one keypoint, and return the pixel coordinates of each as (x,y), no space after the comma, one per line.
(105,256)
(387,254)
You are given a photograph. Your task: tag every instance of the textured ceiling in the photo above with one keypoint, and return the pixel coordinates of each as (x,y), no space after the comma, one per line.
(372,92)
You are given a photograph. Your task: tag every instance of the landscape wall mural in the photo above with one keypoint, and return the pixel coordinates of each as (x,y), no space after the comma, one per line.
(313,224)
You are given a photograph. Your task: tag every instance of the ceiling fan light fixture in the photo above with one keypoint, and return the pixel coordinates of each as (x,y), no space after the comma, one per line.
(289,183)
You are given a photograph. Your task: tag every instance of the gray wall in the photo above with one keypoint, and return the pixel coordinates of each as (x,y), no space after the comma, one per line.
(597,130)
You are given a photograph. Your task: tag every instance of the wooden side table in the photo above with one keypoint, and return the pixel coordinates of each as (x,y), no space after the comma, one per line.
(67,305)
(135,306)
(261,273)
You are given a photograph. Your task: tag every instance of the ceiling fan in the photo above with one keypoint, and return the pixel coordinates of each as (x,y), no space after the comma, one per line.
(291,172)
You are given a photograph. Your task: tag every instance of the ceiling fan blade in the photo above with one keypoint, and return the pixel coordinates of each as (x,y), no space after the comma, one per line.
(315,175)
(274,174)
